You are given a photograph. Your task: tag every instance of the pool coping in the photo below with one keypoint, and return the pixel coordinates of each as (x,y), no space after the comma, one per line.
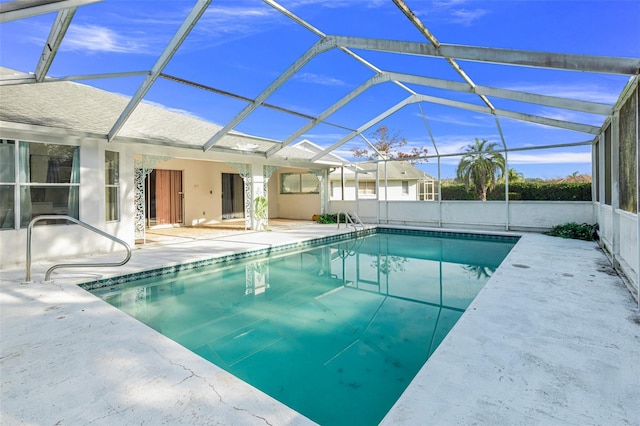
(114,369)
(285,247)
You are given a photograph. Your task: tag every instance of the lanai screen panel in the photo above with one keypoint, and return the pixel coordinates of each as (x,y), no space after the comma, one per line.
(627,169)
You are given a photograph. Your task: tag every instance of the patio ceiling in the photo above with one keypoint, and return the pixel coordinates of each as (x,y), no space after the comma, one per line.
(441,75)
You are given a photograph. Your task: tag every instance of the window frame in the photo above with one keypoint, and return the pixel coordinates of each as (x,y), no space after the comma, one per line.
(301,183)
(112,186)
(405,187)
(22,186)
(369,189)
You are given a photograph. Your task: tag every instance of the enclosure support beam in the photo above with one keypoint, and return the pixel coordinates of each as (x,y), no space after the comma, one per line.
(387,113)
(319,47)
(11,80)
(423,29)
(562,61)
(58,30)
(319,33)
(12,11)
(182,33)
(506,175)
(552,101)
(578,127)
(326,113)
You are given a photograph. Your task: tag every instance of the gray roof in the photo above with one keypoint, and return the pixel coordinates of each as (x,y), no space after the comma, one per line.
(81,108)
(396,170)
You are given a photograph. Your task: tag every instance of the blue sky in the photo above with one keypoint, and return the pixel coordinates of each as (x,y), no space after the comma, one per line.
(242,46)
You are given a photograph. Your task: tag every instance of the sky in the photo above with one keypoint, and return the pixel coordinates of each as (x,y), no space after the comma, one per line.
(242,46)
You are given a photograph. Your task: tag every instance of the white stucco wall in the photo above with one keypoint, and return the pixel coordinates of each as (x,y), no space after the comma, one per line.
(298,206)
(291,206)
(523,215)
(66,241)
(202,187)
(394,191)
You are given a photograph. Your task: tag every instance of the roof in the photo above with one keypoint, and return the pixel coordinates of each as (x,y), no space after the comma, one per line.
(395,170)
(79,108)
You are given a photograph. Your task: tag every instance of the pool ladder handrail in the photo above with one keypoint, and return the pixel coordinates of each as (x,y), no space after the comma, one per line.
(348,220)
(47,275)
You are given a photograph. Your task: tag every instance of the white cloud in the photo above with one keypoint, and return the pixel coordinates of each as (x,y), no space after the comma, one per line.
(585,92)
(95,38)
(549,158)
(323,138)
(466,16)
(324,80)
(219,21)
(452,12)
(571,116)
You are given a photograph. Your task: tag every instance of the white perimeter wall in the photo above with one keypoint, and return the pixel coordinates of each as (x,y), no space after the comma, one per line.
(619,237)
(521,215)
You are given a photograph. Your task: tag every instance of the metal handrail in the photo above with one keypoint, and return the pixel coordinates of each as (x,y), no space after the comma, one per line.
(347,218)
(27,279)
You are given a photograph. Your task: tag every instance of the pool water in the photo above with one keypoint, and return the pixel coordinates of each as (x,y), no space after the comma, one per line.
(337,331)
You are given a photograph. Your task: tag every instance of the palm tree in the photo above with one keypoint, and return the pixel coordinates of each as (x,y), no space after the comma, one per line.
(514,176)
(482,166)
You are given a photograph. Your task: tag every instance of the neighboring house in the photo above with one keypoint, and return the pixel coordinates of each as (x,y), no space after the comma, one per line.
(56,158)
(403,182)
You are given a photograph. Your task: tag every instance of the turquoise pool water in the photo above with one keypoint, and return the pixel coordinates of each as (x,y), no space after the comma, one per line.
(335,331)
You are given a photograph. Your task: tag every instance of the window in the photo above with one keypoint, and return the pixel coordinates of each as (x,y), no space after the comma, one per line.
(299,183)
(366,188)
(112,186)
(37,179)
(7,183)
(405,187)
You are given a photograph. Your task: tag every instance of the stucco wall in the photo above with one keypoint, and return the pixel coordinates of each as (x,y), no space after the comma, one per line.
(394,191)
(67,241)
(291,206)
(202,187)
(523,215)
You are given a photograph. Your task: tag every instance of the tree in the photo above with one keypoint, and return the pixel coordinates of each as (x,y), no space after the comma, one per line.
(514,176)
(482,166)
(390,146)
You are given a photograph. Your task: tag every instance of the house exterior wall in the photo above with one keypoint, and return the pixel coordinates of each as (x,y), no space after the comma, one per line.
(60,241)
(394,191)
(291,206)
(202,188)
(202,185)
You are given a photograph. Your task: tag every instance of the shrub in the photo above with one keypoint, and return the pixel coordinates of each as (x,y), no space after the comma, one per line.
(573,230)
(327,218)
(528,191)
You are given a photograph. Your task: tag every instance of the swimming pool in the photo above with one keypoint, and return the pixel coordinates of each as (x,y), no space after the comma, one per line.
(335,331)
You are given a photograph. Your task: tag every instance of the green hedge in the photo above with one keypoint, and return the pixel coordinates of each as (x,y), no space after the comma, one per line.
(530,191)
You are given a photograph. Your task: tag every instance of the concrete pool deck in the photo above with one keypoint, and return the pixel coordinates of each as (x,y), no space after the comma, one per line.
(553,338)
